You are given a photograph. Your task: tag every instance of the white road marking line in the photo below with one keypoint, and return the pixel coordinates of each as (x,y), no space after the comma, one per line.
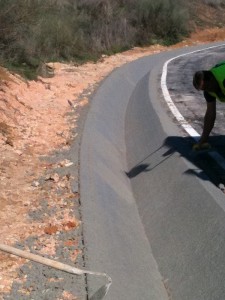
(187,127)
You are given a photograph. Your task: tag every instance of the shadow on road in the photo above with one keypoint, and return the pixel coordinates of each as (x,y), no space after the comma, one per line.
(137,170)
(204,166)
(145,167)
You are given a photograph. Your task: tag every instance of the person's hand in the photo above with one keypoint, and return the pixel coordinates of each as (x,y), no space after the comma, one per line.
(203,146)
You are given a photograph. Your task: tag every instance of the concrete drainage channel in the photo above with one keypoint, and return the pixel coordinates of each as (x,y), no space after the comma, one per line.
(113,231)
(154,230)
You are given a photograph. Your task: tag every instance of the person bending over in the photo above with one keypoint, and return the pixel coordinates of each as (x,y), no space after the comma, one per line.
(212,83)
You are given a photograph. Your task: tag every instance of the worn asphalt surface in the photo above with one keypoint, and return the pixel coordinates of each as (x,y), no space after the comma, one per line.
(153,214)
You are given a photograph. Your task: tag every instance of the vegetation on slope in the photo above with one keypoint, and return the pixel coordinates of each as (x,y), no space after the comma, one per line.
(35,31)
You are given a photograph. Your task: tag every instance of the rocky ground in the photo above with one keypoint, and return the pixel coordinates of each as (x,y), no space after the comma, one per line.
(39,184)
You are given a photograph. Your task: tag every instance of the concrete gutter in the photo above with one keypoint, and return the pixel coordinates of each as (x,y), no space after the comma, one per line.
(114,235)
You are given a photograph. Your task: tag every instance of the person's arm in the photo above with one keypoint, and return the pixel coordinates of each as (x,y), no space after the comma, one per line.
(209,121)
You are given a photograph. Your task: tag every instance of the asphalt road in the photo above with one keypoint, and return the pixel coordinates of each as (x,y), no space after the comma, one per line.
(153,215)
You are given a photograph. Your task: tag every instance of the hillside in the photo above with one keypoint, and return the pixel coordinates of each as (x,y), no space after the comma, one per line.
(40,120)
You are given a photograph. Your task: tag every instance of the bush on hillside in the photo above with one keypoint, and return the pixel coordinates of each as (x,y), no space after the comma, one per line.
(163,20)
(33,31)
(214,3)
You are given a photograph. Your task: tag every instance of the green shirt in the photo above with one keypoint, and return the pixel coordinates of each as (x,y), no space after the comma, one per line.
(218,72)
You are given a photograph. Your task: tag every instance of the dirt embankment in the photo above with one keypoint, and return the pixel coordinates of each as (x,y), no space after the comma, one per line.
(38,118)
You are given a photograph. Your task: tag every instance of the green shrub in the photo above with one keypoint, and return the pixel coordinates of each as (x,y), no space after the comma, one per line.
(214,3)
(164,20)
(34,31)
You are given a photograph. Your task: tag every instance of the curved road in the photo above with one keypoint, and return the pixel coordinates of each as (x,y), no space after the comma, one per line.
(153,220)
